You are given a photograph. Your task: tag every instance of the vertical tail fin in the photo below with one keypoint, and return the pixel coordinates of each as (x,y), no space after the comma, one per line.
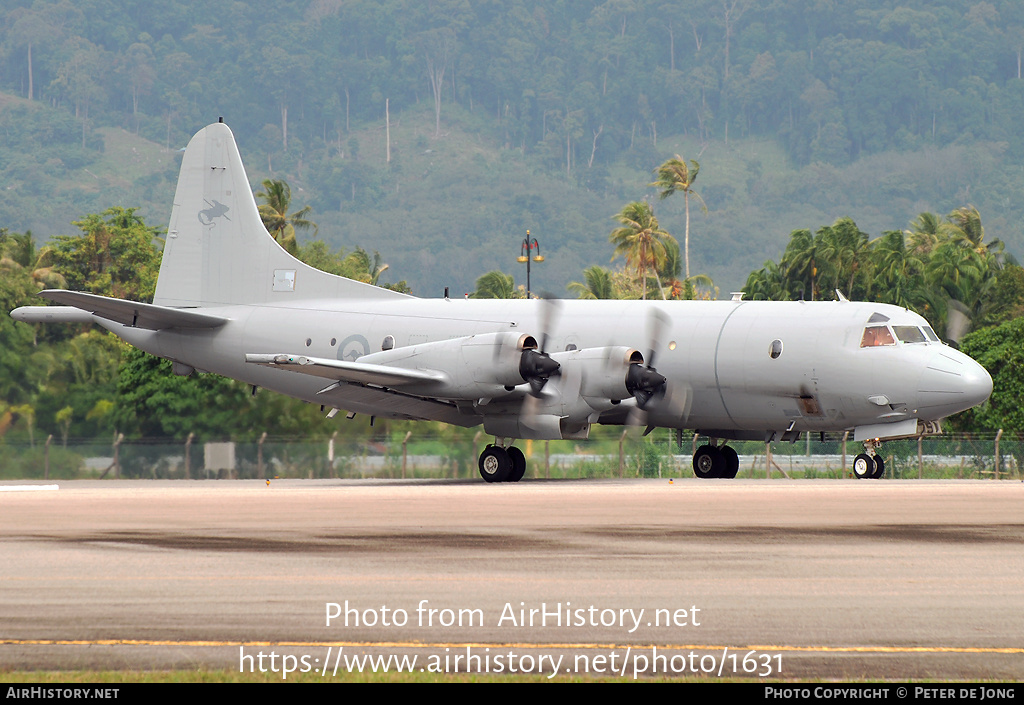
(217,250)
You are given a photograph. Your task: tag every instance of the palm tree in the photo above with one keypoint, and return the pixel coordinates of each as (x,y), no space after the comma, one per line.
(768,283)
(18,252)
(674,175)
(843,252)
(597,284)
(800,262)
(640,240)
(274,212)
(495,285)
(925,234)
(898,272)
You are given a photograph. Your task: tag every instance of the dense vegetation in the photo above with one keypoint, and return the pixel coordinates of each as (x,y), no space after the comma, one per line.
(523,114)
(437,133)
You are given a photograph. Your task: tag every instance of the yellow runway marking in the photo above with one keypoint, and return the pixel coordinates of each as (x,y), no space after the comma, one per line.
(523,645)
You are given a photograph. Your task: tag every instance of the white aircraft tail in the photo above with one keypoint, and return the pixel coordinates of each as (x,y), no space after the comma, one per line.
(218,251)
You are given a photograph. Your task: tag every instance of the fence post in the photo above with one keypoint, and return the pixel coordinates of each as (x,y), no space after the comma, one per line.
(476,446)
(259,455)
(622,458)
(920,458)
(188,456)
(46,464)
(330,455)
(997,436)
(117,456)
(405,455)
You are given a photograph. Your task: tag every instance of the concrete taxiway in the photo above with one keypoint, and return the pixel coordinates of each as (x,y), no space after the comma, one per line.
(814,578)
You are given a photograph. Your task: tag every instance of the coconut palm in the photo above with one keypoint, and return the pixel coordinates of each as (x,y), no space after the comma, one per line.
(495,285)
(843,252)
(597,284)
(768,283)
(640,240)
(674,175)
(898,272)
(800,263)
(274,212)
(925,234)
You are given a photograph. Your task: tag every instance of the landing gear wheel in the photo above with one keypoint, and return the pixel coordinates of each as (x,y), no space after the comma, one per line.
(708,461)
(879,468)
(864,467)
(518,464)
(495,464)
(732,461)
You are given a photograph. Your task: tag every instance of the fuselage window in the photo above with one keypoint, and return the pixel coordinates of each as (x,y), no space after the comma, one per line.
(775,349)
(909,334)
(876,335)
(389,343)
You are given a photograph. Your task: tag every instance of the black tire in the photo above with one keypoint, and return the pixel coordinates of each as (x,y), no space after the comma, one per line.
(518,464)
(732,462)
(879,468)
(708,462)
(495,465)
(863,467)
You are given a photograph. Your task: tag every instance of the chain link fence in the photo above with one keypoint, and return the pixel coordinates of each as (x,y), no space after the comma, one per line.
(625,455)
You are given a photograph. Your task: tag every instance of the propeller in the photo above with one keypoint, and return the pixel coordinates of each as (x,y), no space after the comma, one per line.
(643,381)
(653,391)
(536,366)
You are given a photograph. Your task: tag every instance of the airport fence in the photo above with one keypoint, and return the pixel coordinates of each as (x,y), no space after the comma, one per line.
(625,454)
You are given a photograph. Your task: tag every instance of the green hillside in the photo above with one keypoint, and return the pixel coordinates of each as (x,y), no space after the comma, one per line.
(448,208)
(524,114)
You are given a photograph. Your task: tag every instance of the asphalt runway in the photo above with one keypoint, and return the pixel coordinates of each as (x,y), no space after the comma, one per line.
(837,579)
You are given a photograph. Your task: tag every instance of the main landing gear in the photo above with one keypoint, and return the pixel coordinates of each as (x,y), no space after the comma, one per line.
(498,464)
(869,465)
(715,461)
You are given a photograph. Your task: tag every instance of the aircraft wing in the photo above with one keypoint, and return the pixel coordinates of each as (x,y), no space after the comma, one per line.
(360,386)
(130,313)
(342,371)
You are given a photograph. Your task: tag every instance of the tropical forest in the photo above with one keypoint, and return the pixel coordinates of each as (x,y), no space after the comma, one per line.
(640,149)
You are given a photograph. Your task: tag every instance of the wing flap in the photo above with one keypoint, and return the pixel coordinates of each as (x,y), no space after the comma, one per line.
(342,371)
(133,313)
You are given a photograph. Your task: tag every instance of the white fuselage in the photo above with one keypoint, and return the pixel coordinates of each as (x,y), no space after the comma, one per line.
(717,354)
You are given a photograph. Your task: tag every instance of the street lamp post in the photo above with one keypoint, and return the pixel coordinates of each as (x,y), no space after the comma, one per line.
(525,250)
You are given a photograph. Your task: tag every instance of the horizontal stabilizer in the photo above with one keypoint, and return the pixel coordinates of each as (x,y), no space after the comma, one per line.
(132,313)
(341,371)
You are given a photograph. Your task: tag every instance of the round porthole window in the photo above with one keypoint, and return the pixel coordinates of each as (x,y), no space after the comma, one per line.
(775,349)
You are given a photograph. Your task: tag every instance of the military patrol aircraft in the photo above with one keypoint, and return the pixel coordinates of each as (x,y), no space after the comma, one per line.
(230,300)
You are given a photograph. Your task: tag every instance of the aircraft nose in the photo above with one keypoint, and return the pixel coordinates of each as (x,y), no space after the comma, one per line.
(952,382)
(977,383)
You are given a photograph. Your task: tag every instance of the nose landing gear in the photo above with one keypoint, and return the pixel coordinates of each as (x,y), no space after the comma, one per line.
(869,465)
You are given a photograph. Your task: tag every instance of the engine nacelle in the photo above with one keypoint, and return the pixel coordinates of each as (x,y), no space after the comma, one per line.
(476,366)
(603,371)
(589,382)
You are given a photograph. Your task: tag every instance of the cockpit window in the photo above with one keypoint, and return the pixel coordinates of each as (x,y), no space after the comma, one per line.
(876,335)
(878,318)
(931,334)
(909,334)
